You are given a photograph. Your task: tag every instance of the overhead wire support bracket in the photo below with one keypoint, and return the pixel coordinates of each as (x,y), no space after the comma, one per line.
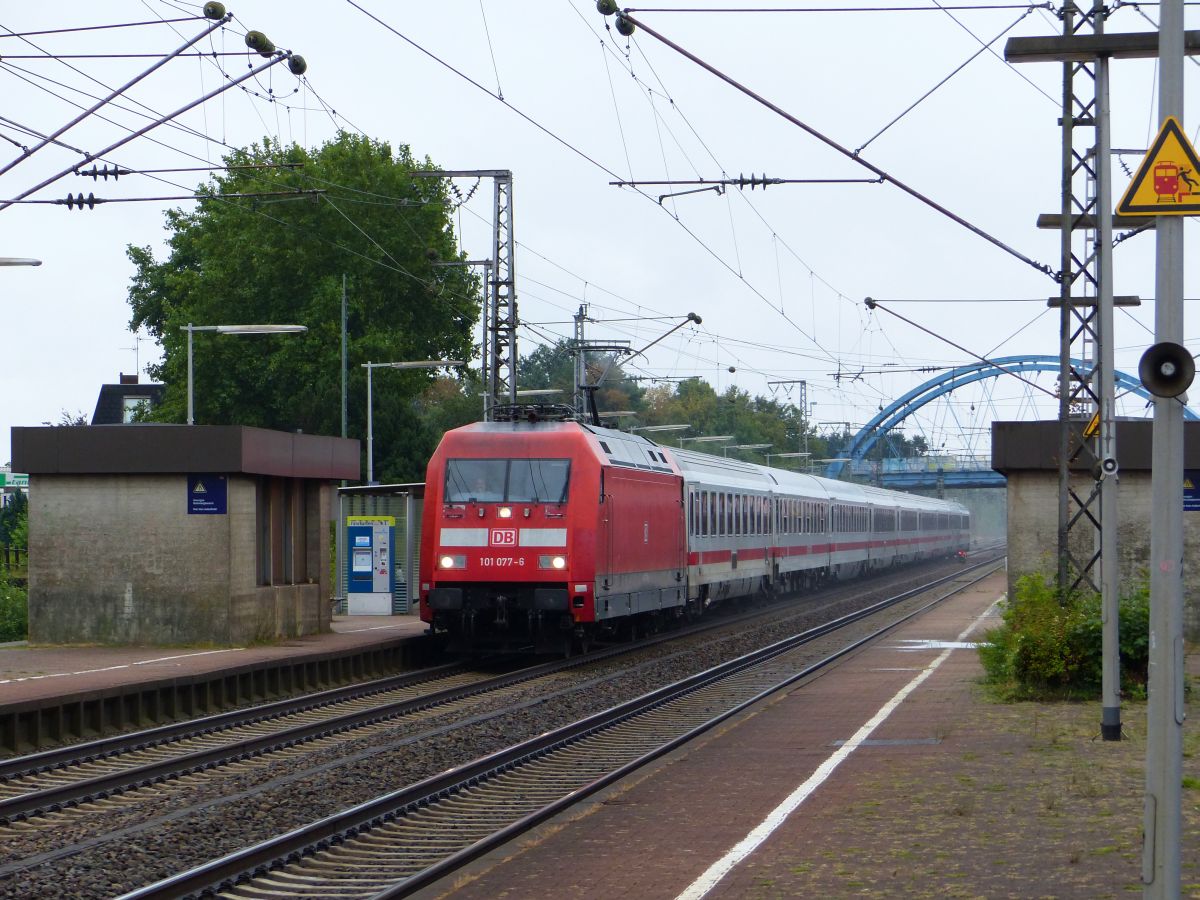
(220,22)
(116,171)
(295,63)
(91,201)
(626,25)
(742,182)
(719,188)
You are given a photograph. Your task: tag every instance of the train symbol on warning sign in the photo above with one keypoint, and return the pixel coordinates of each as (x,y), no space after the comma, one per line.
(1166,183)
(1172,182)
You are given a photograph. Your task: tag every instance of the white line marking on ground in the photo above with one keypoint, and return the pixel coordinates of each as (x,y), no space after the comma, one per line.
(747,845)
(936,645)
(141,662)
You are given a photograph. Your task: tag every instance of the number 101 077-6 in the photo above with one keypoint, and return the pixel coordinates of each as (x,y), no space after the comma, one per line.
(501,561)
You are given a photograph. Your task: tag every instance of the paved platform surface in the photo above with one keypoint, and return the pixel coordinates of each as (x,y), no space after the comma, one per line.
(34,672)
(948,795)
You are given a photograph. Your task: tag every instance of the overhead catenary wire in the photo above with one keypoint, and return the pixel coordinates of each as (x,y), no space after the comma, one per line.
(200,54)
(78,29)
(84,201)
(774,234)
(849,154)
(86,76)
(344,201)
(122,141)
(875,304)
(667,95)
(118,92)
(72,201)
(557,138)
(827,9)
(929,93)
(149,115)
(1043,8)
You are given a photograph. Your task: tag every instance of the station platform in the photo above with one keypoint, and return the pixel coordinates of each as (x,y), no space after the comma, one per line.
(890,774)
(51,694)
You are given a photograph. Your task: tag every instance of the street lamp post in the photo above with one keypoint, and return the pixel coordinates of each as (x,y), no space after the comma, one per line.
(706,439)
(655,428)
(370,367)
(725,450)
(229,329)
(792,455)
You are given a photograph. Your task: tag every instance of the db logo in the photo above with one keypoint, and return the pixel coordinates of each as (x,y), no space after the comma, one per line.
(504,537)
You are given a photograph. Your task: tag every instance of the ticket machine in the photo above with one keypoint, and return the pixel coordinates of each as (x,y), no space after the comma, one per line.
(371,569)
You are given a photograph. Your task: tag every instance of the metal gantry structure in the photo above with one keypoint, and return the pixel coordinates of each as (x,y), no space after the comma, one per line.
(1085,226)
(1089,56)
(500,309)
(1084,302)
(499,292)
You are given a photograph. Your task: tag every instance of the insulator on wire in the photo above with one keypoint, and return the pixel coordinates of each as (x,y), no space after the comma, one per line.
(81,201)
(214,10)
(259,43)
(116,172)
(754,181)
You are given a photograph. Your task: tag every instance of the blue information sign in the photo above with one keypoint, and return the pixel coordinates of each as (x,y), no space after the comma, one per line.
(207,495)
(1191,490)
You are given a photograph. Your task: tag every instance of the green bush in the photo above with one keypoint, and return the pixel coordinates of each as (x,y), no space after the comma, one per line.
(1051,645)
(14,612)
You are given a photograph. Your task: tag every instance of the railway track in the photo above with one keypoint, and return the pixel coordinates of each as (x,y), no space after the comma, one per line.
(75,776)
(405,840)
(82,778)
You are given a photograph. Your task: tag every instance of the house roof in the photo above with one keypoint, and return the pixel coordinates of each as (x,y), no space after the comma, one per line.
(110,405)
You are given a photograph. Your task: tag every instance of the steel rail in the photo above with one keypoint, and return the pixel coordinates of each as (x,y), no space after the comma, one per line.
(337,831)
(59,796)
(72,754)
(56,761)
(52,767)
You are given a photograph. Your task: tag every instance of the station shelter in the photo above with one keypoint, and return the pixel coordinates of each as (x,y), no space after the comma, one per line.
(1026,453)
(179,534)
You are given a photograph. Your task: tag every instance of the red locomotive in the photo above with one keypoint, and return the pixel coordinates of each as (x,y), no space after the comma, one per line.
(544,532)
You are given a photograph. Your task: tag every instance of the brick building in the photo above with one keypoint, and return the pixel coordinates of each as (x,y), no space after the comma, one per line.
(176,534)
(1027,454)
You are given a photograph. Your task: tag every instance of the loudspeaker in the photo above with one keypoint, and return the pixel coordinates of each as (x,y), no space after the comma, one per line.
(1166,369)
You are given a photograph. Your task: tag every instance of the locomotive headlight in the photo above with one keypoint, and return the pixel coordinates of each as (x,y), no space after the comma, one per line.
(504,512)
(452,562)
(552,562)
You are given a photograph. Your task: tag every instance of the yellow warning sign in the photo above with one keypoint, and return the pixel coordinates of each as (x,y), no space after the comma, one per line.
(1188,484)
(1093,426)
(1168,181)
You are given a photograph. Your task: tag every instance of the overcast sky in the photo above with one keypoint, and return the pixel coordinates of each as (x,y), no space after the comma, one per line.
(778,275)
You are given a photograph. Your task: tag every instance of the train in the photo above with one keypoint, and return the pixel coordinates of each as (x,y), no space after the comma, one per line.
(542,532)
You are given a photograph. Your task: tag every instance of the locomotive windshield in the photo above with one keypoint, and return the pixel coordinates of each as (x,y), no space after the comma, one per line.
(507,480)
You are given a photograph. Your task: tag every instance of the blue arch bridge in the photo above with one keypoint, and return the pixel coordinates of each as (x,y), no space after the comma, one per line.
(947,471)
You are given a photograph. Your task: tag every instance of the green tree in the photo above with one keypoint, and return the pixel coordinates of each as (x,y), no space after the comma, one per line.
(548,367)
(14,520)
(552,367)
(18,536)
(281,260)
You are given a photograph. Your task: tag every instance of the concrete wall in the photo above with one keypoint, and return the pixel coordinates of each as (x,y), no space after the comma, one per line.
(1033,534)
(117,559)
